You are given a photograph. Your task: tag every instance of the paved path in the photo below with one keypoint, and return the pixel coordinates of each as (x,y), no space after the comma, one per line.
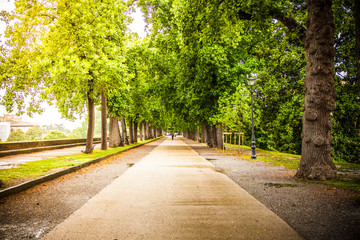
(13,160)
(173,193)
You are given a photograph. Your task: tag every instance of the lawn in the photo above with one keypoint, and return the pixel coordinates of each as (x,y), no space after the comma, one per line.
(291,161)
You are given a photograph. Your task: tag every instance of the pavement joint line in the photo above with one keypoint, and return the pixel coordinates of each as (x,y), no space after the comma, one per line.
(32,183)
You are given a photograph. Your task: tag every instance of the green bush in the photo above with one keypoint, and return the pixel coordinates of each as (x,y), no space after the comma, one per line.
(54,135)
(17,136)
(34,133)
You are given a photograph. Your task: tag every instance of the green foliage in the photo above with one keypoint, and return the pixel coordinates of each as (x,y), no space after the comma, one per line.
(192,69)
(54,135)
(346,129)
(79,132)
(17,136)
(34,133)
(59,127)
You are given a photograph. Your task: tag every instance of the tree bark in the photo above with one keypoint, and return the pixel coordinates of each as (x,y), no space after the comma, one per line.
(203,132)
(210,140)
(141,131)
(91,125)
(147,131)
(214,137)
(131,134)
(219,136)
(316,161)
(135,137)
(196,135)
(114,133)
(151,132)
(103,122)
(124,134)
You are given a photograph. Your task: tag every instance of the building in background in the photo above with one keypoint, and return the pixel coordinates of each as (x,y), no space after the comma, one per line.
(9,123)
(4,131)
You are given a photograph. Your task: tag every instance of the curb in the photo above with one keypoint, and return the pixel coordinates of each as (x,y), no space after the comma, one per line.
(29,184)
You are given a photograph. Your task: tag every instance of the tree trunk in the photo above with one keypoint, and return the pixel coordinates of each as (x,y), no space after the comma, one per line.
(316,161)
(357,38)
(147,131)
(151,136)
(131,134)
(124,134)
(141,130)
(114,133)
(214,132)
(203,132)
(210,140)
(196,135)
(154,131)
(103,122)
(135,137)
(219,136)
(91,125)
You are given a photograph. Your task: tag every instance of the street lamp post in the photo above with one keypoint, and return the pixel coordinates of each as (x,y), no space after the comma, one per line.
(251,83)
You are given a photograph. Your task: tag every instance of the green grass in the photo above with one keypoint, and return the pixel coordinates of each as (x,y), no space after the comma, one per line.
(291,161)
(271,158)
(34,169)
(352,184)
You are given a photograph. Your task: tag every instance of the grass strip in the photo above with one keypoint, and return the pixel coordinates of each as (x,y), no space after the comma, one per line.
(291,161)
(34,169)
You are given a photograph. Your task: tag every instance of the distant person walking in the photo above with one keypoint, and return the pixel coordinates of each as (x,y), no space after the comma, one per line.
(172,135)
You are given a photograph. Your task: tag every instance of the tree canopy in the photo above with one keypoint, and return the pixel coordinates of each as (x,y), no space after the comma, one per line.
(193,67)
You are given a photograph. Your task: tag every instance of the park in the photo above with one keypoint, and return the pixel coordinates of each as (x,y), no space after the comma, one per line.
(275,83)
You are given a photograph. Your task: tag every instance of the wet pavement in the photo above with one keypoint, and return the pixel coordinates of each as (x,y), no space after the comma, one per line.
(173,193)
(12,161)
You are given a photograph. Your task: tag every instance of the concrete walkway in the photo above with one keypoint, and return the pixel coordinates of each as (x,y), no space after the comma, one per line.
(173,193)
(13,160)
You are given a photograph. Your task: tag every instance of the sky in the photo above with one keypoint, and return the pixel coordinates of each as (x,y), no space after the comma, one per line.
(51,115)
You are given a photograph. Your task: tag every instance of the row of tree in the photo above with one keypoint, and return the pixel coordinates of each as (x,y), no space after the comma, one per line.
(76,53)
(191,72)
(303,53)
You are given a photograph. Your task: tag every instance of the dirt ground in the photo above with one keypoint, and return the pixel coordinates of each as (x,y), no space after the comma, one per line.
(314,210)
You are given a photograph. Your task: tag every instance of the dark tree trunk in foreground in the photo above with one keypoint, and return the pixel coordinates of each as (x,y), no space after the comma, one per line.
(203,133)
(114,133)
(123,128)
(103,122)
(91,125)
(131,134)
(316,162)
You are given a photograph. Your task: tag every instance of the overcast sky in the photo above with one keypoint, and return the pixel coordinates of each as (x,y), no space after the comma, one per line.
(51,114)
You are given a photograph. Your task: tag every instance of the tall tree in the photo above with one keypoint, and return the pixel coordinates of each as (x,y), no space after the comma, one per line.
(76,51)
